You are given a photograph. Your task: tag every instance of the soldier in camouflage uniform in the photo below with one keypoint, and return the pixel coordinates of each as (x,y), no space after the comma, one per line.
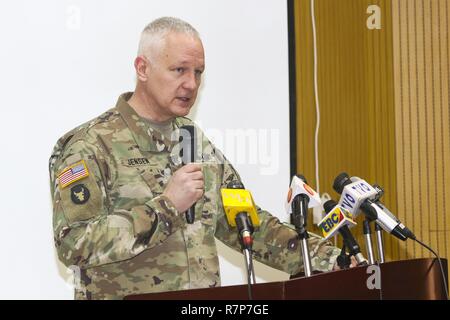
(119,188)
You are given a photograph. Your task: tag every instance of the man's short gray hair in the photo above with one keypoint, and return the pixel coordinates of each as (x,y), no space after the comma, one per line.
(155,32)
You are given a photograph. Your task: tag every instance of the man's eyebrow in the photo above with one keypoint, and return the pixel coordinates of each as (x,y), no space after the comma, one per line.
(185,62)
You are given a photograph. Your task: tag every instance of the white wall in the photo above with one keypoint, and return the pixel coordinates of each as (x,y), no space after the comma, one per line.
(65,62)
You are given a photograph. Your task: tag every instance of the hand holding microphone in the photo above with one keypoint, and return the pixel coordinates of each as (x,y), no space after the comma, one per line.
(185,187)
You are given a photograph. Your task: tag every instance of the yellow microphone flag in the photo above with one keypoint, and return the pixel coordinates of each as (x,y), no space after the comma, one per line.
(236,201)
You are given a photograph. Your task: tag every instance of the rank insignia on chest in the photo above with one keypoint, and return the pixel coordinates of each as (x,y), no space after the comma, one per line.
(75,172)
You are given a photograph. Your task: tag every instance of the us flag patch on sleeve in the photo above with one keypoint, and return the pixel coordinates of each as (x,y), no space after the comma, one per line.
(73,173)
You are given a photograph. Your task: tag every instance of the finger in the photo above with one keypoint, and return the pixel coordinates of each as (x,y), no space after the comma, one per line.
(197,175)
(192,167)
(198,184)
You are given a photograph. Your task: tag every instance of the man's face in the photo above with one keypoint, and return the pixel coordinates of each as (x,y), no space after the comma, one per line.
(174,75)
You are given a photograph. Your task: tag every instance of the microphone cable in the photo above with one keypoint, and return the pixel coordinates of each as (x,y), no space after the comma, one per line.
(440,264)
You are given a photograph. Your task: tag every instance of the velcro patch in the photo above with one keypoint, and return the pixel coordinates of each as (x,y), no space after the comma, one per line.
(75,172)
(79,194)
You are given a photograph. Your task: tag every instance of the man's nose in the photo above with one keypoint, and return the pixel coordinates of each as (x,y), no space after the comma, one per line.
(190,82)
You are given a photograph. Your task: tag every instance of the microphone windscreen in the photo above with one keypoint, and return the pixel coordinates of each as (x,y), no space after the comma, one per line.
(235,184)
(340,182)
(329,205)
(302,177)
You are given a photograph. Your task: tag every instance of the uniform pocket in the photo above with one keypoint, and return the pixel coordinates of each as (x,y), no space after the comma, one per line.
(154,180)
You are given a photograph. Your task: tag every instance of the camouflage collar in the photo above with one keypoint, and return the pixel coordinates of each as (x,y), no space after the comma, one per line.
(147,138)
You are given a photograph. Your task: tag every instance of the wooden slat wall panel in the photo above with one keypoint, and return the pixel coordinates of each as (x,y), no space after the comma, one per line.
(384,108)
(356,96)
(421,73)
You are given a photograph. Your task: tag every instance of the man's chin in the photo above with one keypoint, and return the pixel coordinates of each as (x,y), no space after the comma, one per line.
(181,111)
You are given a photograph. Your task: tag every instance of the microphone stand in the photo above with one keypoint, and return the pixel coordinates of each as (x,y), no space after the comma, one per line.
(251,279)
(368,237)
(378,229)
(379,233)
(245,228)
(249,266)
(343,260)
(352,246)
(305,253)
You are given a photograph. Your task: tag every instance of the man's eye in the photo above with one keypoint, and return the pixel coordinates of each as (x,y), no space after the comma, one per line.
(179,70)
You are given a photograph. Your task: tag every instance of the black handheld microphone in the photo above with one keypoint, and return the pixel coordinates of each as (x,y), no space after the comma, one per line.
(187,153)
(299,216)
(300,198)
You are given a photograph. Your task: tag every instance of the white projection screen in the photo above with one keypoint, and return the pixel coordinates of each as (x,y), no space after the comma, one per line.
(63,62)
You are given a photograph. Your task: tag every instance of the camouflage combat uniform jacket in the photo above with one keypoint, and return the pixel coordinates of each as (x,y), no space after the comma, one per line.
(112,223)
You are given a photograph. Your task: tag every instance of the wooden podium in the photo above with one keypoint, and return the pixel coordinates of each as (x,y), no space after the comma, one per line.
(418,279)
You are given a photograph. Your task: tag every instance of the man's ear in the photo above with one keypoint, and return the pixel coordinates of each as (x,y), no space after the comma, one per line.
(141,65)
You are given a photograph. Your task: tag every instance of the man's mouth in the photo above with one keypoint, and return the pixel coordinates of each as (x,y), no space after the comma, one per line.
(184,99)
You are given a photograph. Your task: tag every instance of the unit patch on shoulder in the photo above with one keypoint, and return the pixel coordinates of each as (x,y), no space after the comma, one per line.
(75,172)
(79,194)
